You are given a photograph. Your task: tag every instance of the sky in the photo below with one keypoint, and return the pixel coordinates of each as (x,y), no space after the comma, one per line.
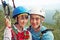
(47,4)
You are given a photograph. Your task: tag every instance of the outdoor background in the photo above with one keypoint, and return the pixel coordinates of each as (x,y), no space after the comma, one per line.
(52,18)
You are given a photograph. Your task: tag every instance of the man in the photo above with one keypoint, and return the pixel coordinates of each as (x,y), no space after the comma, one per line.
(36,28)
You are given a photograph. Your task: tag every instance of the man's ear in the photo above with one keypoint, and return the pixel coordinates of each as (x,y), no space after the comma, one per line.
(43,19)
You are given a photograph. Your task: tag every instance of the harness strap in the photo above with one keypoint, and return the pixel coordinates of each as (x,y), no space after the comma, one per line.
(42,32)
(45,32)
(17,35)
(14,37)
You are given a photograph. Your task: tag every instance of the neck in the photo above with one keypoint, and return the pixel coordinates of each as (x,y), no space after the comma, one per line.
(19,27)
(37,29)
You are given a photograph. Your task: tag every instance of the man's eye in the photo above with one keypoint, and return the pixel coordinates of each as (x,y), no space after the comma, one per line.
(37,18)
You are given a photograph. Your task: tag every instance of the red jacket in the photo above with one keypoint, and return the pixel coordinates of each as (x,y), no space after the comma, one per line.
(20,36)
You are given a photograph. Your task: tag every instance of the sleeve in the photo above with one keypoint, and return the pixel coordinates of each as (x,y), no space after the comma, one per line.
(48,36)
(7,34)
(30,36)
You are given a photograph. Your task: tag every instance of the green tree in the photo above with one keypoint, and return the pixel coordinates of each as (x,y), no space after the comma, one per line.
(2,24)
(56,18)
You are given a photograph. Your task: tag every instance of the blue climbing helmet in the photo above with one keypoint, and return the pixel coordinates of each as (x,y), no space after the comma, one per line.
(19,10)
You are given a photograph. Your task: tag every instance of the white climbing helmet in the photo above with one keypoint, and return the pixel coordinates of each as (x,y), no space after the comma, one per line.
(38,11)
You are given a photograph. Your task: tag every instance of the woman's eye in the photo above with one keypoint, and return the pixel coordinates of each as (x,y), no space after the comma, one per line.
(26,17)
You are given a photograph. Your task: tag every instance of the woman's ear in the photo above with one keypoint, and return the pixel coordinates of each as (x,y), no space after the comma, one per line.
(16,19)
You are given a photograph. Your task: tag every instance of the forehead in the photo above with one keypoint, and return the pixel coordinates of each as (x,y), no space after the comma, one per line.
(24,14)
(34,15)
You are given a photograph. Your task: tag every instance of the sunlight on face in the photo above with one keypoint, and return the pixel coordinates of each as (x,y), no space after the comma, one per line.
(35,20)
(23,19)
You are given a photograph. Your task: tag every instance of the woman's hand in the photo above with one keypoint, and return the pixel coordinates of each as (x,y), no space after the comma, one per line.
(7,22)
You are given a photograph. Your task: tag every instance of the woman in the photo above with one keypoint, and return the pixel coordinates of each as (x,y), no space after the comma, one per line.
(17,31)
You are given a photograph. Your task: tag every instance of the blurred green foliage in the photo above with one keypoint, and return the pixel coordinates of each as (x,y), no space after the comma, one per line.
(56,18)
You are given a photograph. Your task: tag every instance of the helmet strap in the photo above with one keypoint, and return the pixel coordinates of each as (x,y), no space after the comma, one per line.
(17,20)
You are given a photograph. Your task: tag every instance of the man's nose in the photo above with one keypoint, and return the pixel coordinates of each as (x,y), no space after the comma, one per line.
(34,21)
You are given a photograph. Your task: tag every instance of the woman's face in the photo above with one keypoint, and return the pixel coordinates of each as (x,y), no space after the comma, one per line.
(22,19)
(35,20)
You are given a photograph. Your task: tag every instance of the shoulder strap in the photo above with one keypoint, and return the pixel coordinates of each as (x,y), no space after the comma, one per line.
(14,32)
(14,37)
(45,32)
(29,28)
(26,34)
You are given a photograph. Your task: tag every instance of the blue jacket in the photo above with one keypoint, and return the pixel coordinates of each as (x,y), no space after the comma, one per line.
(46,36)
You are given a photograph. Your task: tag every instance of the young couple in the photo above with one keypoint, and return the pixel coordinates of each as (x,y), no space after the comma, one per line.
(34,30)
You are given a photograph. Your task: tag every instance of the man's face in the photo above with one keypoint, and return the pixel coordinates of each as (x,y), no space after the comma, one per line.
(22,19)
(35,20)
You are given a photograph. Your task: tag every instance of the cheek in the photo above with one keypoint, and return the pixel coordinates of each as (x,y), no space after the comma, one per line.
(31,21)
(20,21)
(38,22)
(26,21)
(23,22)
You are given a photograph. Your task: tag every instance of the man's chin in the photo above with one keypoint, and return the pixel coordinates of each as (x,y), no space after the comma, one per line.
(35,26)
(23,26)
